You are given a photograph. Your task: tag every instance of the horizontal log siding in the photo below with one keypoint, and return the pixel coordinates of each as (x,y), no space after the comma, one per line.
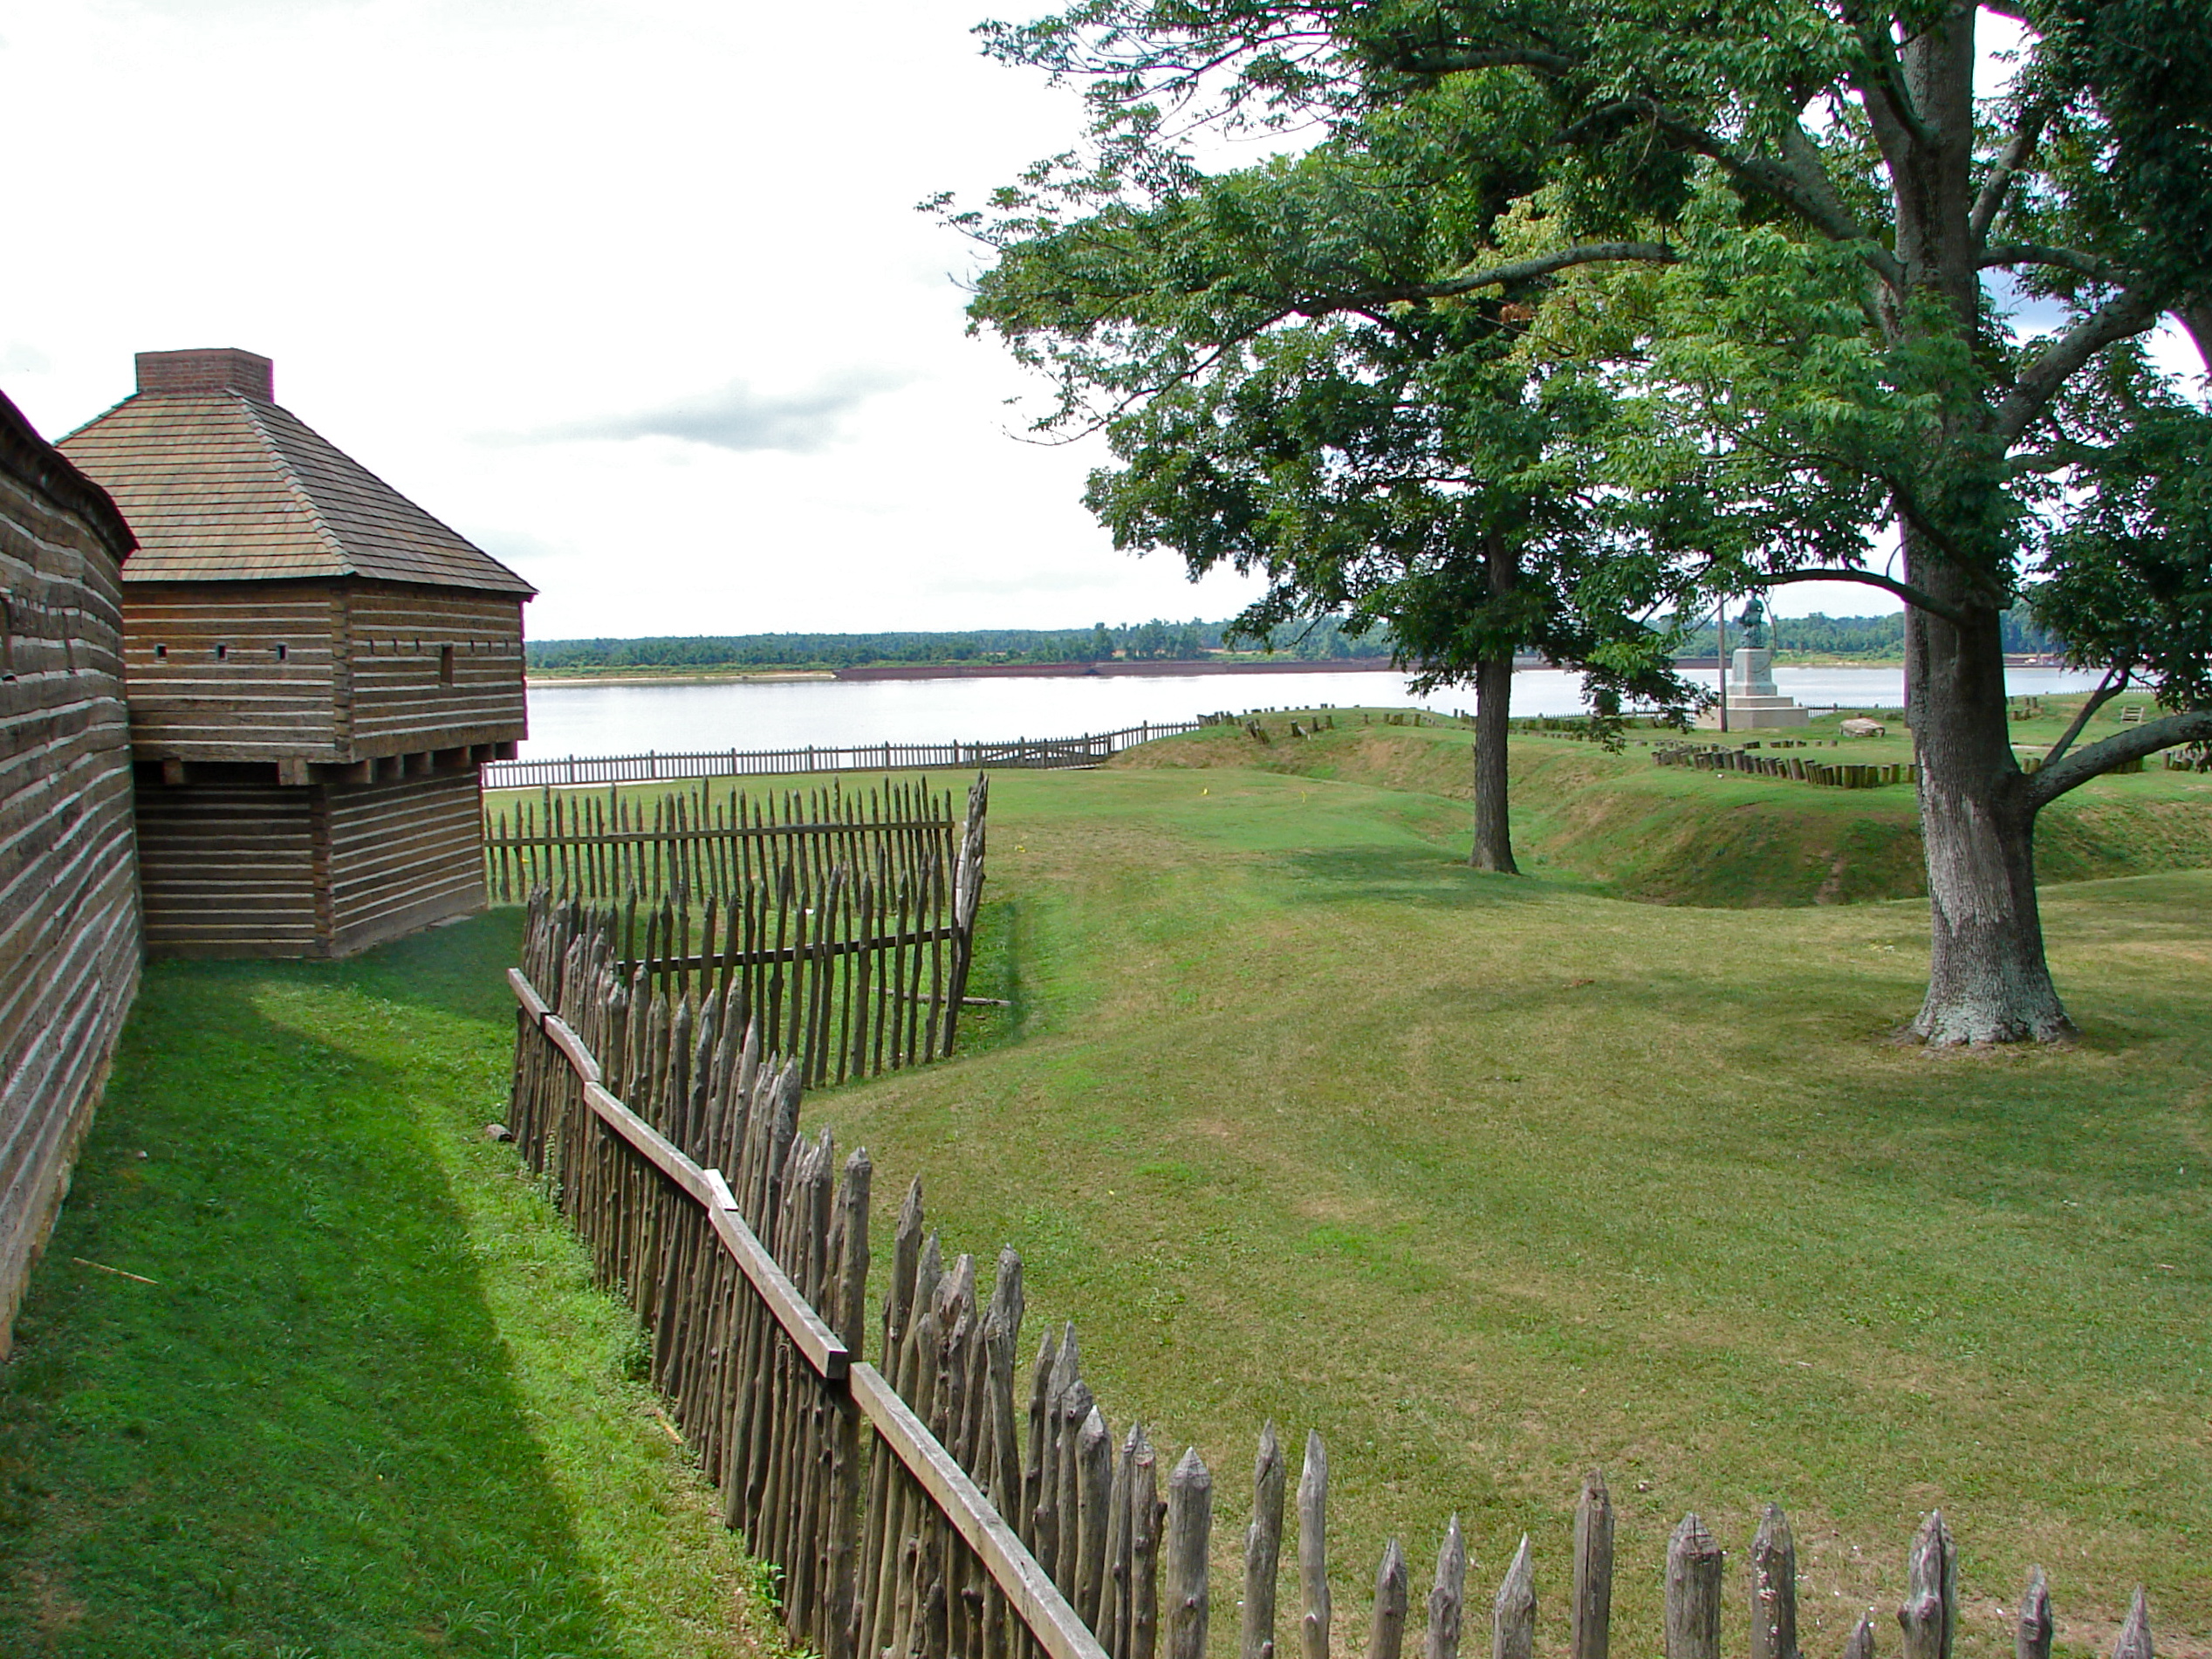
(69,912)
(229,870)
(399,703)
(402,856)
(189,703)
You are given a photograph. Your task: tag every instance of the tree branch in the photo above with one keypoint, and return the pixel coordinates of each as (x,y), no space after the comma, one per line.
(2106,691)
(1588,253)
(2125,313)
(1912,596)
(2065,454)
(1452,62)
(1802,160)
(2196,316)
(1821,209)
(2036,253)
(2046,785)
(1889,98)
(2005,168)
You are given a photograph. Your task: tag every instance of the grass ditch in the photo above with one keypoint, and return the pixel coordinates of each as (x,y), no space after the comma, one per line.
(370,1403)
(1492,1180)
(1678,836)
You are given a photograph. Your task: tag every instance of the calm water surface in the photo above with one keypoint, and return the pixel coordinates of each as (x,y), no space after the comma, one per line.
(630,719)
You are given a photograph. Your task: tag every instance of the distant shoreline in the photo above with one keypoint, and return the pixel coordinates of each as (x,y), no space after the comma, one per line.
(1113,670)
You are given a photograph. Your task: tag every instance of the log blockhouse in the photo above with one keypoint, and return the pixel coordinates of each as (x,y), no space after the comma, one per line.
(69,907)
(317,670)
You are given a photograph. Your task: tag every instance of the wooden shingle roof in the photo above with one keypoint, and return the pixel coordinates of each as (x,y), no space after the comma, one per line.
(219,485)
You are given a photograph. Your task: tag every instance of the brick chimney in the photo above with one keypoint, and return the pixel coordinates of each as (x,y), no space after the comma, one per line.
(196,373)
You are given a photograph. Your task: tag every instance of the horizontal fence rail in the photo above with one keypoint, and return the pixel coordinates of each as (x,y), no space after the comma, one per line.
(1037,753)
(842,920)
(749,1285)
(945,1503)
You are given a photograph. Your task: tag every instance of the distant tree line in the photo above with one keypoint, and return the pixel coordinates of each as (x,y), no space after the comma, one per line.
(1153,642)
(1875,638)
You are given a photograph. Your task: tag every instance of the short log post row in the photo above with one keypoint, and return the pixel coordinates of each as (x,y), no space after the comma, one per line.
(951,1504)
(1840,775)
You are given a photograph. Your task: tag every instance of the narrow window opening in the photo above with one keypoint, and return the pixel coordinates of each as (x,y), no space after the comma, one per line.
(161,654)
(282,652)
(222,654)
(445,665)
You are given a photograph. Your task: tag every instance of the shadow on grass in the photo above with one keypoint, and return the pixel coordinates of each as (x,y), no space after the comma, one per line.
(459,969)
(303,1436)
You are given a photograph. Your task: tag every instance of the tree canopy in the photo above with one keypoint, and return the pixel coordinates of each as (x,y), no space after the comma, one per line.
(1785,290)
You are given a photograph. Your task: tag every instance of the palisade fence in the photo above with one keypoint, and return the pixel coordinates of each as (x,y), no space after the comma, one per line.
(945,1506)
(842,920)
(1034,753)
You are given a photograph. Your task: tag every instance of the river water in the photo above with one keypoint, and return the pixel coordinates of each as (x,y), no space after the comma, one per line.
(583,719)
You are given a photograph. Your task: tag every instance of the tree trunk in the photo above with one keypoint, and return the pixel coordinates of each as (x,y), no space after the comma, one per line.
(1988,982)
(1493,708)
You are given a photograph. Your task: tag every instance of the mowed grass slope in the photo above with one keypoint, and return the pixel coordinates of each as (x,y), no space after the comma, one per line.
(1492,1180)
(369,1403)
(1675,835)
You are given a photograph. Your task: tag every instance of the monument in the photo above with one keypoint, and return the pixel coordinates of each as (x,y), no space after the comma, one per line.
(1753,704)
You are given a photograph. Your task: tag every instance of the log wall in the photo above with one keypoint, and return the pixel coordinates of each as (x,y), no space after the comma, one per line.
(235,670)
(400,856)
(398,640)
(227,862)
(236,865)
(69,910)
(326,672)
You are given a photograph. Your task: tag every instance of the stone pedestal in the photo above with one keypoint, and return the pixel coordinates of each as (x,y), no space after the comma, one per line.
(1753,702)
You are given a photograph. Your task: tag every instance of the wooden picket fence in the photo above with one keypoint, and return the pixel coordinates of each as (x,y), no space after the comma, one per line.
(1031,753)
(939,1505)
(842,920)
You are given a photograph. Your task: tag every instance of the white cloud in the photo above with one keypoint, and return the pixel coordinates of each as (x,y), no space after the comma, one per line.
(738,418)
(450,224)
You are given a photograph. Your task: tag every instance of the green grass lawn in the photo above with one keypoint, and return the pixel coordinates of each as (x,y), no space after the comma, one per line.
(1488,1179)
(369,1404)
(1492,1179)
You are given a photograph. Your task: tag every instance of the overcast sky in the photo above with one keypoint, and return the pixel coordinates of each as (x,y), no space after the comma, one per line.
(634,295)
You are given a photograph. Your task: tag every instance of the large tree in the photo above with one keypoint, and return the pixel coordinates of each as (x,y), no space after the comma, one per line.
(1397,464)
(1796,229)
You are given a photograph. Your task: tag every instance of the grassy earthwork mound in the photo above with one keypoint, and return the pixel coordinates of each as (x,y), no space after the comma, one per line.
(1674,835)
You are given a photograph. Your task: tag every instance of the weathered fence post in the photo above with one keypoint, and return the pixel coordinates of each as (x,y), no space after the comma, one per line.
(2134,1640)
(1694,1563)
(1314,1549)
(1263,1548)
(1146,1510)
(1774,1588)
(1094,1496)
(1513,1615)
(1447,1601)
(1190,1519)
(2031,1639)
(1386,1634)
(1592,1612)
(1930,1613)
